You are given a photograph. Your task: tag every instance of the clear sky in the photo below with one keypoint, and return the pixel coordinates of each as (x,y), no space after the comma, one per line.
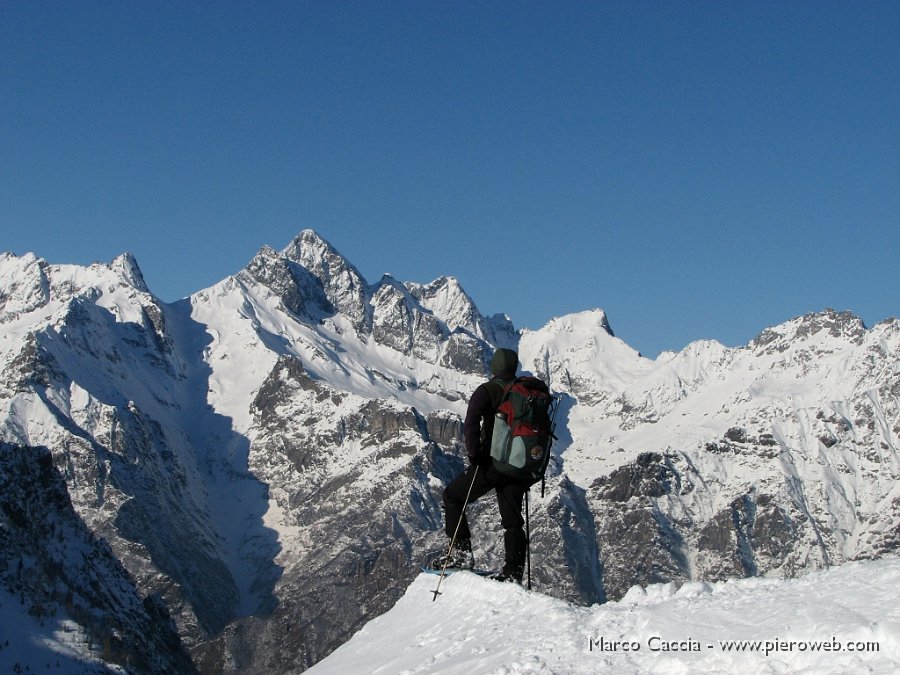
(697,169)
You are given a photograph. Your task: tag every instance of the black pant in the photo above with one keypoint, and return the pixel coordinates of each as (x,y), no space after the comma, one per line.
(510,493)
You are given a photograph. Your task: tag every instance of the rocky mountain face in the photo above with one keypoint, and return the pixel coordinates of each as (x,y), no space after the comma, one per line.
(55,564)
(772,459)
(260,466)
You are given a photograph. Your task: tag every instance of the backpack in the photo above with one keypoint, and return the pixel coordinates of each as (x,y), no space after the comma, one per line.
(523,429)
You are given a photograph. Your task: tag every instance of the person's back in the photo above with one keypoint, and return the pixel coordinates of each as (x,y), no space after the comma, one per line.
(481,477)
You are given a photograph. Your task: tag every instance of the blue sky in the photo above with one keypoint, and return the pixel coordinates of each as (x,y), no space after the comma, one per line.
(697,169)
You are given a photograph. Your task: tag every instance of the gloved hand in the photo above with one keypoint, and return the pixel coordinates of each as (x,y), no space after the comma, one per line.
(482,459)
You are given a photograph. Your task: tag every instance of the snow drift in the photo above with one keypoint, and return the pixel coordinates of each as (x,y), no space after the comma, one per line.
(842,620)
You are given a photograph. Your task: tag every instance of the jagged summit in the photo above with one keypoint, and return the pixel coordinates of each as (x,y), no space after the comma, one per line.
(29,283)
(318,256)
(438,322)
(301,293)
(24,285)
(127,266)
(446,298)
(344,286)
(587,320)
(833,324)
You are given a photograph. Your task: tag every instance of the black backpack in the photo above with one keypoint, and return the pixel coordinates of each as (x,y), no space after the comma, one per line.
(523,429)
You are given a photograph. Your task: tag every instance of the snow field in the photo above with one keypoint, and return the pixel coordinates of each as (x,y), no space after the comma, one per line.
(840,620)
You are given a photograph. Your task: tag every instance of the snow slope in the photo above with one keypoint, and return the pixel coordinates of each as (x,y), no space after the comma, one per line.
(56,645)
(842,620)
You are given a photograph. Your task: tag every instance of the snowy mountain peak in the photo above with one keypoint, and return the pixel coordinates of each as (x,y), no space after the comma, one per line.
(845,326)
(586,322)
(127,267)
(24,285)
(579,355)
(446,298)
(388,279)
(267,252)
(28,283)
(319,257)
(300,292)
(344,286)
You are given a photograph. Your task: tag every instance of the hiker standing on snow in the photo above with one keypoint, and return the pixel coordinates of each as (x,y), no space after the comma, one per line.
(480,477)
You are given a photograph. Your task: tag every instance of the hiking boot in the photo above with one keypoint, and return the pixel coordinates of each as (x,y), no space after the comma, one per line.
(459,558)
(512,575)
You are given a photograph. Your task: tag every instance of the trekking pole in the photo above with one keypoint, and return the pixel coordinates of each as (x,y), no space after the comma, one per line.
(437,591)
(528,538)
(556,402)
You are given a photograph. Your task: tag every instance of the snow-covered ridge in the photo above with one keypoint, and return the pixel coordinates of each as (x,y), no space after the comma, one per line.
(29,284)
